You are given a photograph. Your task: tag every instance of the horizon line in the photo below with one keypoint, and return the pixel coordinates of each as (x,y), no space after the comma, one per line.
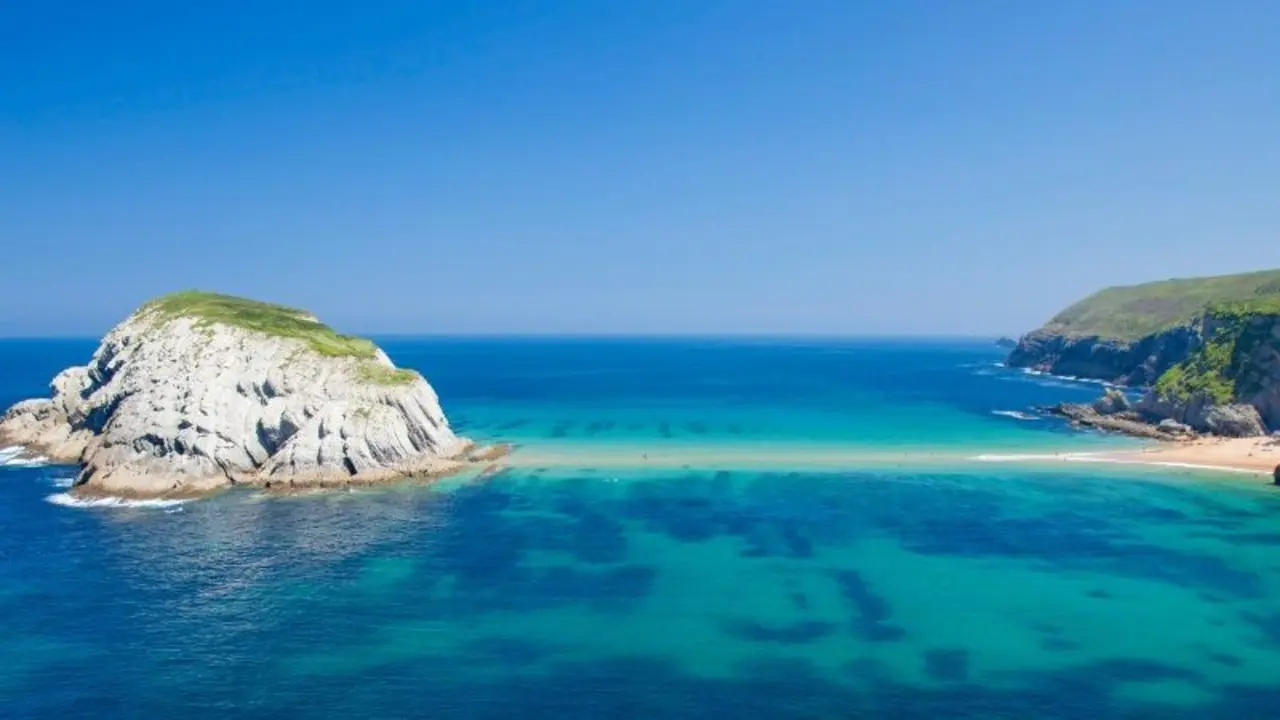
(618,336)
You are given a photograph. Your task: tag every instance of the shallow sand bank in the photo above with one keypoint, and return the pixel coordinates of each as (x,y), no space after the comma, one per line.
(1251,456)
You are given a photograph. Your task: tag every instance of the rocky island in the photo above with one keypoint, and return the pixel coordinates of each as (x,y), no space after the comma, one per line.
(197,391)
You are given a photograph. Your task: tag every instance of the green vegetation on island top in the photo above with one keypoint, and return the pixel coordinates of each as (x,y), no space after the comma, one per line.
(1218,368)
(382,375)
(1135,311)
(262,317)
(278,321)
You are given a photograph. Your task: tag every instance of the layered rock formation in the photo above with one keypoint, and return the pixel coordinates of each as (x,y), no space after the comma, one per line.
(195,392)
(1123,362)
(1229,384)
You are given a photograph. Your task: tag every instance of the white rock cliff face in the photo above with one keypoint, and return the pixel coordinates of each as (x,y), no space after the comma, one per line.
(176,406)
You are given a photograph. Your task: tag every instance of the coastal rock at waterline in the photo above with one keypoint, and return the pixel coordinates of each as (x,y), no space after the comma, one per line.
(1111,403)
(1124,362)
(1128,423)
(1173,427)
(1237,420)
(1204,415)
(197,391)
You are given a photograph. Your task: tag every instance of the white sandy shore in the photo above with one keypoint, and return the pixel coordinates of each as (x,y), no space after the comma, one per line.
(1254,455)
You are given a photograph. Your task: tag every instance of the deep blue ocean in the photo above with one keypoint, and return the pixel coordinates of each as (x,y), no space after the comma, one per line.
(688,529)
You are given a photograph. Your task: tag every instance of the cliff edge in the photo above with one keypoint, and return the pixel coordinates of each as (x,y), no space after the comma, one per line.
(197,391)
(1133,334)
(1207,348)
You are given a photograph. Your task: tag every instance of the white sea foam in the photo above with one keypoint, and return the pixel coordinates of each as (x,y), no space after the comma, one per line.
(1040,374)
(1107,459)
(15,456)
(64,482)
(1164,463)
(1035,457)
(1015,414)
(69,500)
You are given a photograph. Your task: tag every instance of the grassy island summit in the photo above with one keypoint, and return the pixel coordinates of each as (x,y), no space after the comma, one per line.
(196,391)
(208,309)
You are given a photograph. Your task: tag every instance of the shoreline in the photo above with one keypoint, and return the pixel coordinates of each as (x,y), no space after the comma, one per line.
(1259,455)
(1254,457)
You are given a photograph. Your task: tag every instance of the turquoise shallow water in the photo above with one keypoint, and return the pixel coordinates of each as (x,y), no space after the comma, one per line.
(689,529)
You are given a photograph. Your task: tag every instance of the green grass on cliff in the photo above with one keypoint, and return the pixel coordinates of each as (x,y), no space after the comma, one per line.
(277,321)
(265,318)
(1218,368)
(383,375)
(1134,311)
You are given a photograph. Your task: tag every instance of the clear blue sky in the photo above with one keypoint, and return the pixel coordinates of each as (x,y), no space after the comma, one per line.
(683,166)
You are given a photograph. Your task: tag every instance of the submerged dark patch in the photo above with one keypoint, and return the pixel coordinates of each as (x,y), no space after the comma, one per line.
(1058,644)
(1268,624)
(947,664)
(1226,659)
(794,633)
(872,610)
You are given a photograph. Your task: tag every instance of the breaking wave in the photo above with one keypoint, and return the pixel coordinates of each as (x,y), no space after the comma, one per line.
(69,500)
(1015,414)
(14,457)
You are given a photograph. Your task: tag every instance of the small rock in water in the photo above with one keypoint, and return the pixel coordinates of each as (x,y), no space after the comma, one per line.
(1276,475)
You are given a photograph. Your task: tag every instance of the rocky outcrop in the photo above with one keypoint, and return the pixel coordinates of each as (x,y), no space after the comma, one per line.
(1126,422)
(1230,384)
(1112,402)
(178,404)
(1054,350)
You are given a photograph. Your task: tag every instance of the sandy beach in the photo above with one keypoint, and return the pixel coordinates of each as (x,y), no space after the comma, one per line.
(1260,455)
